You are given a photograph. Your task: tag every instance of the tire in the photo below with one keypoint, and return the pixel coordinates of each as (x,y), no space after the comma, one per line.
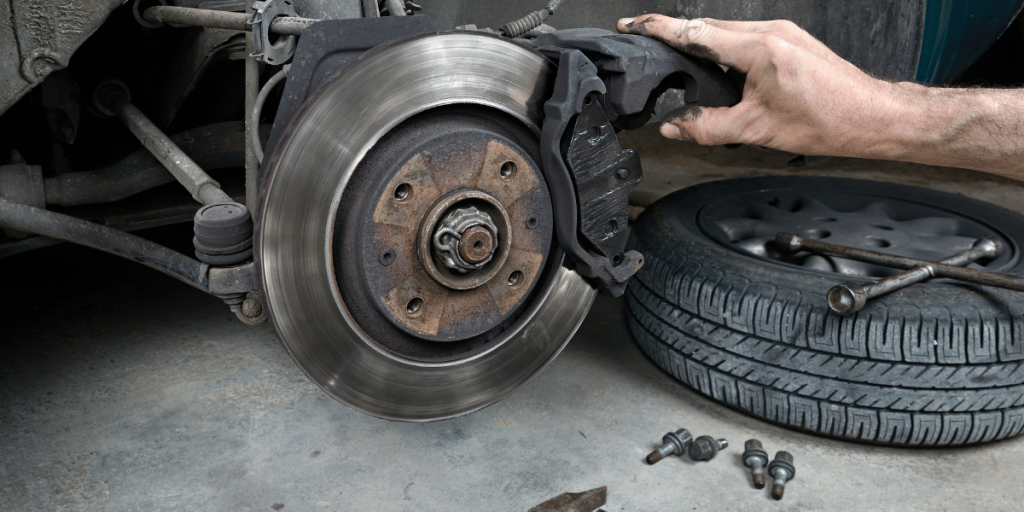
(939,363)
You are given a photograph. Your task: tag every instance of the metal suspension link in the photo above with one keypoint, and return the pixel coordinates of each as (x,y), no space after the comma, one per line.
(188,16)
(112,98)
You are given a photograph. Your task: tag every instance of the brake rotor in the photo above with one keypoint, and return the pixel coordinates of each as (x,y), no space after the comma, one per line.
(405,245)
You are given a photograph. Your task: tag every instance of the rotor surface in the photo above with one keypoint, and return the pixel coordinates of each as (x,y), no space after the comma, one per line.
(338,344)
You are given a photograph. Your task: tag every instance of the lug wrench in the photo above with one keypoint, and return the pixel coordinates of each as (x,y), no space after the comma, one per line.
(850,297)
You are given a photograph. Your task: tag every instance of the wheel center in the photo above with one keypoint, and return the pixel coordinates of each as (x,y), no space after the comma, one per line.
(465,240)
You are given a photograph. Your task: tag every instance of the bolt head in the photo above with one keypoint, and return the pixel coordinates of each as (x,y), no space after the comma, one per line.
(783,462)
(753,450)
(679,440)
(703,448)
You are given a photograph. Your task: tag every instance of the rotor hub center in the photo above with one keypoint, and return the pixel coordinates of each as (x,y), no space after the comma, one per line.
(465,240)
(454,240)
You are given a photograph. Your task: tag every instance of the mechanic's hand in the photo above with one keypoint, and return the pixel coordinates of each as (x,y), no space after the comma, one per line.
(799,96)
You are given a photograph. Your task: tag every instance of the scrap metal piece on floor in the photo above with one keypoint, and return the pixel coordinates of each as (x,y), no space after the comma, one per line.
(586,501)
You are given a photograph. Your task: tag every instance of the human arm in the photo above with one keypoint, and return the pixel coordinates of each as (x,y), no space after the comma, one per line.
(801,97)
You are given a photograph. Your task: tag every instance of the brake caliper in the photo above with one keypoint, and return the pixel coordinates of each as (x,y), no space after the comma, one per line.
(608,82)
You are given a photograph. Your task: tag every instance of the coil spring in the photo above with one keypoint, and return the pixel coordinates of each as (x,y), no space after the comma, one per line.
(525,24)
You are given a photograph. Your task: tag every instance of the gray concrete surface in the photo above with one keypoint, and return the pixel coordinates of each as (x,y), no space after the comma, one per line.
(123,390)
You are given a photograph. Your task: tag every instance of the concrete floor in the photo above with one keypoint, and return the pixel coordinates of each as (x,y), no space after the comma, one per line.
(123,390)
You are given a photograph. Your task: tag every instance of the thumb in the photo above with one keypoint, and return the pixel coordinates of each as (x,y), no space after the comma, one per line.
(700,37)
(707,126)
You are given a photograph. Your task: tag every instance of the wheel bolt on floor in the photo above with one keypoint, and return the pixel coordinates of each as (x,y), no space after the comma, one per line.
(782,470)
(706,447)
(755,458)
(673,443)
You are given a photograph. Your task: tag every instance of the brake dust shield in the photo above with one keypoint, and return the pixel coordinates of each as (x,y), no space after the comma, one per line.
(405,244)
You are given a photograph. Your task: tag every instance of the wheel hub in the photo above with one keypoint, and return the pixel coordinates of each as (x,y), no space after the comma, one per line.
(456,225)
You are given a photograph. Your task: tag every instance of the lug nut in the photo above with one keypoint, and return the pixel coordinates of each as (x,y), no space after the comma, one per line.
(781,470)
(674,443)
(755,458)
(706,447)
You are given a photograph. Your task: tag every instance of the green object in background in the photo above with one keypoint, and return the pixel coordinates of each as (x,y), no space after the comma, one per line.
(957,32)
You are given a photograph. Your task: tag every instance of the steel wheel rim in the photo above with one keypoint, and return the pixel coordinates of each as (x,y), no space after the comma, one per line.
(297,215)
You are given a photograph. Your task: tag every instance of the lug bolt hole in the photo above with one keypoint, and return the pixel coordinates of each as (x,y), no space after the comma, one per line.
(515,279)
(818,233)
(403,192)
(507,170)
(414,306)
(874,241)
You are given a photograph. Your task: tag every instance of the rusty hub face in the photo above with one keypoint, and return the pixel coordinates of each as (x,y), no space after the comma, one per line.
(456,237)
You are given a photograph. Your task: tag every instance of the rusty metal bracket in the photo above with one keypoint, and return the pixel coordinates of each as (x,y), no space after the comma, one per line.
(586,501)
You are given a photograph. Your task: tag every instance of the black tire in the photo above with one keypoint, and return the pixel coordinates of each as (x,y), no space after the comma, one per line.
(936,364)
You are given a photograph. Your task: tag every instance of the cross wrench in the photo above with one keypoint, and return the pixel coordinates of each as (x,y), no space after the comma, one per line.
(850,297)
